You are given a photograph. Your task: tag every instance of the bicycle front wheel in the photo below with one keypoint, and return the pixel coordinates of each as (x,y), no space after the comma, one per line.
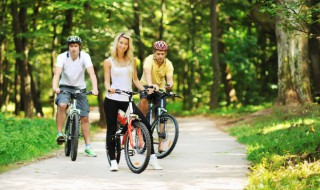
(165,135)
(138,155)
(67,144)
(75,136)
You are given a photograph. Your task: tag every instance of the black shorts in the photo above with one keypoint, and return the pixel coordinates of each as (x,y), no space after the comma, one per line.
(155,97)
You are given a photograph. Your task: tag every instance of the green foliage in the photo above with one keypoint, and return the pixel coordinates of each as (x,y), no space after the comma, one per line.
(282,147)
(25,139)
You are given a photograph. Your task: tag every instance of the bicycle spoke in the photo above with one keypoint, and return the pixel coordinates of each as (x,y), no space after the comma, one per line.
(138,155)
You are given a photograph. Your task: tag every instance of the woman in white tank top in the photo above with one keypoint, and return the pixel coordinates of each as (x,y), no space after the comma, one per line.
(119,72)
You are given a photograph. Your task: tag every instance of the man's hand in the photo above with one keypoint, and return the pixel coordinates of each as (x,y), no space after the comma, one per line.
(150,90)
(155,87)
(168,87)
(56,90)
(95,92)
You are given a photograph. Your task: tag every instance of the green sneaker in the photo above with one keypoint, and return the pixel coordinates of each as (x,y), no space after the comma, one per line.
(90,152)
(60,138)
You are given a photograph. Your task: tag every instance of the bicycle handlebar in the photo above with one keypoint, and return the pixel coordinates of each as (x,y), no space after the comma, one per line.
(124,92)
(76,92)
(164,93)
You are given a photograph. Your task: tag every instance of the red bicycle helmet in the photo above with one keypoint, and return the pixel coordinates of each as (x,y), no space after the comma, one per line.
(160,45)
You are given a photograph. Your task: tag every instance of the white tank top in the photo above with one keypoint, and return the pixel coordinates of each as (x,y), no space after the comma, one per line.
(121,78)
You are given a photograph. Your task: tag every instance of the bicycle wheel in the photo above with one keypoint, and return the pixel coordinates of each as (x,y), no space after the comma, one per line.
(136,159)
(74,136)
(117,151)
(67,144)
(169,136)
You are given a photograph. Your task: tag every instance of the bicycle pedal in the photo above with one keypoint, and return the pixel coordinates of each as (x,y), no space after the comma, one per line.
(60,141)
(162,135)
(131,152)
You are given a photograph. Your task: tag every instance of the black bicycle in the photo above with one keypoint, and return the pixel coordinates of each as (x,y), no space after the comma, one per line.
(132,136)
(72,124)
(165,128)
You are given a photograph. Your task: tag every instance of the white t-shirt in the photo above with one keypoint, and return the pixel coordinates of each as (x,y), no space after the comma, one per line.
(73,71)
(121,78)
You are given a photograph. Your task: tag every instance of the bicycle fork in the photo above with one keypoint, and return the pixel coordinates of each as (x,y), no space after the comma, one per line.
(140,137)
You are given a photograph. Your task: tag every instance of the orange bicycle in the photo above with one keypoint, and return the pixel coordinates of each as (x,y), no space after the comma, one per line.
(132,136)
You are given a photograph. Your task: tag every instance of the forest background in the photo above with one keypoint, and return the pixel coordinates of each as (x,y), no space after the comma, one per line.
(225,53)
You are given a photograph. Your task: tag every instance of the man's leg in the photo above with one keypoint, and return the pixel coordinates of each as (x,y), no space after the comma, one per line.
(85,127)
(144,106)
(61,116)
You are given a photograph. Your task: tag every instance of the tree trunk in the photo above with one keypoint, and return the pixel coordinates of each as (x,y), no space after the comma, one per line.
(293,64)
(3,68)
(102,118)
(19,26)
(214,93)
(67,28)
(314,49)
(52,62)
(35,81)
(137,30)
(191,63)
(161,28)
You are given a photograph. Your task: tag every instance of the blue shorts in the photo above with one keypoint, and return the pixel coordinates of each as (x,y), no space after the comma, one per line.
(82,100)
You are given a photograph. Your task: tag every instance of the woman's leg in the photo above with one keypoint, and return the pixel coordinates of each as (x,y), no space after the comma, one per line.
(111,111)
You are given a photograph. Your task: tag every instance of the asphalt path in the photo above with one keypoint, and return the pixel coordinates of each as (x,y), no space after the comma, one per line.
(204,158)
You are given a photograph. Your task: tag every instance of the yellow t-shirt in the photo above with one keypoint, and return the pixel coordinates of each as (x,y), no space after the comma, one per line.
(158,73)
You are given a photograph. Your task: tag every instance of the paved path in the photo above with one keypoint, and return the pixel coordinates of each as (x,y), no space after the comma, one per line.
(204,158)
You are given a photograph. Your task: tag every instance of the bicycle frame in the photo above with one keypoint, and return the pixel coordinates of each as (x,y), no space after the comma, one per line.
(72,124)
(161,110)
(130,117)
(136,140)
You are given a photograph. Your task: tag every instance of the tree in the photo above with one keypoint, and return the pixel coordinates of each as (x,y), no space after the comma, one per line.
(214,96)
(19,26)
(293,62)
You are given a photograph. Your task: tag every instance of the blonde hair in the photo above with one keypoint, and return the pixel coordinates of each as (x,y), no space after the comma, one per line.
(128,55)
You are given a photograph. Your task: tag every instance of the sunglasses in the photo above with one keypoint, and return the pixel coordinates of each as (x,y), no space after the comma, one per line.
(124,35)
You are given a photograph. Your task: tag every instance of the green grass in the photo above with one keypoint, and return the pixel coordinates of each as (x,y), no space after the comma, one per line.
(282,147)
(25,139)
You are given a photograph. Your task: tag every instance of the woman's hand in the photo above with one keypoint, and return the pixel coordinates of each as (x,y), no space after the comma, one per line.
(111,91)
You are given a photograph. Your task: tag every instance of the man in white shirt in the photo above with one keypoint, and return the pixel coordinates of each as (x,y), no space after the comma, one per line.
(71,66)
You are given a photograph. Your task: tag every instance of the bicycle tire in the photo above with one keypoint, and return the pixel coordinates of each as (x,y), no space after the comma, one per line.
(117,151)
(75,136)
(132,154)
(172,128)
(67,144)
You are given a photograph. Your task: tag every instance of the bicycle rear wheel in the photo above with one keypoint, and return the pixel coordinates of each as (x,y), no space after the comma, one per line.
(137,159)
(169,136)
(75,136)
(67,144)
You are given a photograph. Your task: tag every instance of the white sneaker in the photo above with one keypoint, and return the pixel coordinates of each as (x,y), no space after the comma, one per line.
(114,166)
(154,162)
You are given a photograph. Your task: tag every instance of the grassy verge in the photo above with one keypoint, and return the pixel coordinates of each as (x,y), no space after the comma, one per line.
(283,147)
(25,139)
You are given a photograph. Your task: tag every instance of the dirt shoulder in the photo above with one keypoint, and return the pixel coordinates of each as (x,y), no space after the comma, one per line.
(224,123)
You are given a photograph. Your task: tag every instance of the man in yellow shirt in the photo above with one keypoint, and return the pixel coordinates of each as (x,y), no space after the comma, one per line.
(157,72)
